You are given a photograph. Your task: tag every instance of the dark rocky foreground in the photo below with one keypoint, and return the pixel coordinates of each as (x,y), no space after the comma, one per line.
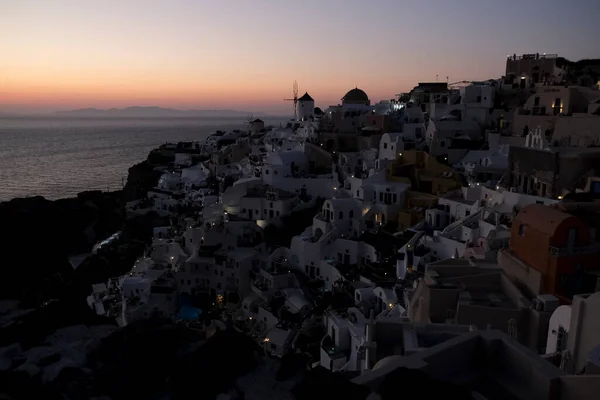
(39,235)
(157,359)
(142,361)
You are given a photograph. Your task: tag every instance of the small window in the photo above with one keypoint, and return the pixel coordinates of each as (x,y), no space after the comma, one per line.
(385,145)
(357,193)
(341,215)
(521,230)
(351,214)
(267,171)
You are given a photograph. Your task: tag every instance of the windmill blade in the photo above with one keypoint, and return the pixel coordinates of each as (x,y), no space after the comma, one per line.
(295,88)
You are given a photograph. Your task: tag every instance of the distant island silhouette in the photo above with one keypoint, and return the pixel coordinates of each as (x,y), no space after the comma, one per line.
(146,112)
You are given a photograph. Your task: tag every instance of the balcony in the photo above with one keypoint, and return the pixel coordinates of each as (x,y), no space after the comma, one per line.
(574,251)
(279,266)
(261,289)
(321,222)
(333,355)
(321,217)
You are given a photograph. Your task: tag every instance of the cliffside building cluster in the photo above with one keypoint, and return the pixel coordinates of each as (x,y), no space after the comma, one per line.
(453,229)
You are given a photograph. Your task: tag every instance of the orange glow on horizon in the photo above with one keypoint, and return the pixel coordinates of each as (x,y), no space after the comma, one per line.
(178,89)
(232,54)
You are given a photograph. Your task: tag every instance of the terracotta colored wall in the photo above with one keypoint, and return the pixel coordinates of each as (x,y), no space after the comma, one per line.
(532,248)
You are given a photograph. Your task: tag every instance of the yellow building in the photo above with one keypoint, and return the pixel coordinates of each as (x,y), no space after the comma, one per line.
(429,180)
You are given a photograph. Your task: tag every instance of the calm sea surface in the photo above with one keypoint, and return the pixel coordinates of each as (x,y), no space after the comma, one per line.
(59,157)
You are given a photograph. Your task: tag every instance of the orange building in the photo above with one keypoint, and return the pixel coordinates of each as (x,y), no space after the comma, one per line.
(555,249)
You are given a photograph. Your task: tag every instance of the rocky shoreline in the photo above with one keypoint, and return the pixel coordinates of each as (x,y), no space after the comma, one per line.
(41,291)
(39,236)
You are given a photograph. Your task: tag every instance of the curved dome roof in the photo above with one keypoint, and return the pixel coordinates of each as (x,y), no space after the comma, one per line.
(355,96)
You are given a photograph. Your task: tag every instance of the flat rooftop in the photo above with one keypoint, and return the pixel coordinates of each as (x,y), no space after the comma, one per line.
(488,299)
(459,199)
(488,362)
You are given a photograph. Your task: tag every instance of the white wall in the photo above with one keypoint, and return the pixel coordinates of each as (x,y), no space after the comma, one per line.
(255,208)
(388,147)
(306,110)
(414,130)
(355,251)
(479,96)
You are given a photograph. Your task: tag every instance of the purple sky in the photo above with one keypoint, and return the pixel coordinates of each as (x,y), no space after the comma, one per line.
(242,54)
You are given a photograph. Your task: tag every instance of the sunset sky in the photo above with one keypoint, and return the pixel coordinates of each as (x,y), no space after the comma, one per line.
(245,54)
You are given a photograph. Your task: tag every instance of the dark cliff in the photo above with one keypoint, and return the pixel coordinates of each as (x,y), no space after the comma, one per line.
(39,235)
(144,360)
(140,178)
